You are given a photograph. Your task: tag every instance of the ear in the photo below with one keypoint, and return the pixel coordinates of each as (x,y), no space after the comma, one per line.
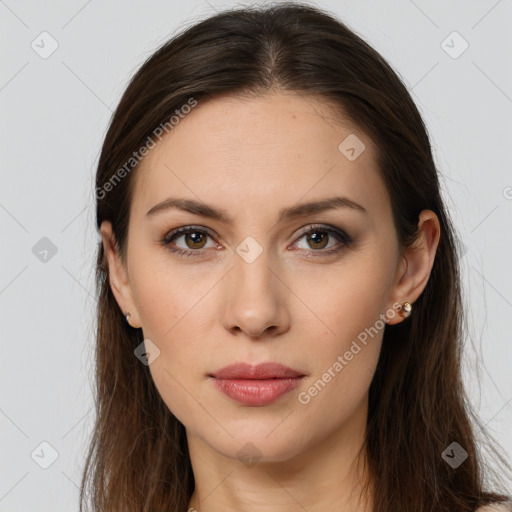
(417,262)
(118,275)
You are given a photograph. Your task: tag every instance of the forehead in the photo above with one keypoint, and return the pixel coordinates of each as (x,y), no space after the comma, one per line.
(271,149)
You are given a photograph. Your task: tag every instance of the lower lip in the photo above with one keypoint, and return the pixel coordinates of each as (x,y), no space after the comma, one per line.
(256,392)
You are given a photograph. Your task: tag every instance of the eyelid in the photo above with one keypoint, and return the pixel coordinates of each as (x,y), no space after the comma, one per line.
(344,239)
(186,229)
(340,234)
(302,231)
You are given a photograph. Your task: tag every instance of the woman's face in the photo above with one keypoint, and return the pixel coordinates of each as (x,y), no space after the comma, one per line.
(255,287)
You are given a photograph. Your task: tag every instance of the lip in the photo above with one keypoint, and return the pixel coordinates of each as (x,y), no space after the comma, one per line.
(260,371)
(256,385)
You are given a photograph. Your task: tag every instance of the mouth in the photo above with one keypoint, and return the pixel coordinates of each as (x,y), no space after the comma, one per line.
(256,385)
(259,372)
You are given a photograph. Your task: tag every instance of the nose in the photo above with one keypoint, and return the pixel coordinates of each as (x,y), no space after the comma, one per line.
(256,297)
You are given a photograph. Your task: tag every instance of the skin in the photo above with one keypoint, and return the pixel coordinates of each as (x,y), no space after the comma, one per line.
(293,305)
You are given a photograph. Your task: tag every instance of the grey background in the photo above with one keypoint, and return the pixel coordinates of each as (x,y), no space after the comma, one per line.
(54,114)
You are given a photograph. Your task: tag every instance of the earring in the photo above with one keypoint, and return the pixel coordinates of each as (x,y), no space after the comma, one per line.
(405,310)
(127,317)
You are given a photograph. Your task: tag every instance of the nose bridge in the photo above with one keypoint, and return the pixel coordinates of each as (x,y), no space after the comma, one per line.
(255,294)
(251,262)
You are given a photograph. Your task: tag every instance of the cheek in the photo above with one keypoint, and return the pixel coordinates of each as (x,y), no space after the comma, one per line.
(175,319)
(337,395)
(172,382)
(172,304)
(179,368)
(342,363)
(344,357)
(346,298)
(169,295)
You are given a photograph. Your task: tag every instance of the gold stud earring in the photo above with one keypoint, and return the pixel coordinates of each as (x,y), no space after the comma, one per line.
(405,310)
(127,318)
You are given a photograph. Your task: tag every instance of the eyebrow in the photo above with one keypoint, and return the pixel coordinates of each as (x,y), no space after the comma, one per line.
(294,212)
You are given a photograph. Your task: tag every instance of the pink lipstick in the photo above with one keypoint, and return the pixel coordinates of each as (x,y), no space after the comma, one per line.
(256,385)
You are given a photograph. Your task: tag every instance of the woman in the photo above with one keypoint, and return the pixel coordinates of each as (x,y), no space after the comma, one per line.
(279,315)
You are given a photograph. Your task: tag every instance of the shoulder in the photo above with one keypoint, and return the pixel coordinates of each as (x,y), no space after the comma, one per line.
(497,507)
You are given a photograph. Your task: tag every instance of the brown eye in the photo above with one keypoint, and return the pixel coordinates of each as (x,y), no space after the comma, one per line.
(318,238)
(196,238)
(321,241)
(187,241)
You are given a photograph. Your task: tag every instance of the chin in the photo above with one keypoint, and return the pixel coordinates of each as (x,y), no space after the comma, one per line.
(259,444)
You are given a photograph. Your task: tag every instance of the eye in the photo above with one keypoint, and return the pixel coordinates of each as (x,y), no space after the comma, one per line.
(318,237)
(195,239)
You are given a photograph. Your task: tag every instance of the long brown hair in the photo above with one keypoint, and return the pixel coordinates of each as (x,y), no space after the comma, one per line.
(138,458)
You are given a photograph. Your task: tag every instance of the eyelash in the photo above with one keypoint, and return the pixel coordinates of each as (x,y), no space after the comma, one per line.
(340,235)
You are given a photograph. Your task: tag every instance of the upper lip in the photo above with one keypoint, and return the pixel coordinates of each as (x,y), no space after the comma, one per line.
(261,371)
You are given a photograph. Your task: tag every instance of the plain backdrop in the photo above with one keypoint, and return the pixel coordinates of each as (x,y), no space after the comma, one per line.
(64,67)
